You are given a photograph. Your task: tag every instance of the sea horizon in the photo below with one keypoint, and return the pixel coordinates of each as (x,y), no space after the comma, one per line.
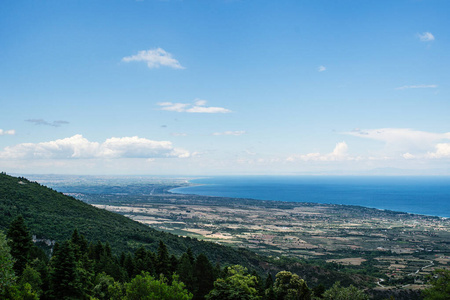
(424,195)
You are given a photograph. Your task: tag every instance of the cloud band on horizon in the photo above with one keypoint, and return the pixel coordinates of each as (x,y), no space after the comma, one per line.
(78,147)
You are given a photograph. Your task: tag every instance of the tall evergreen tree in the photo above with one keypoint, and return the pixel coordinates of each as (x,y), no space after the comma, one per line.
(143,261)
(20,243)
(190,255)
(79,244)
(204,273)
(173,264)
(129,265)
(162,261)
(64,277)
(185,270)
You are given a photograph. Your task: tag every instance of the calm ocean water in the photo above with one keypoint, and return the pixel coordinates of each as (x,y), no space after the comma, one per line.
(419,195)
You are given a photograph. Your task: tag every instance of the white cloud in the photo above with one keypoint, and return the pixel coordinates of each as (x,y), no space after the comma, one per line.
(78,147)
(208,110)
(340,153)
(178,107)
(426,37)
(321,68)
(7,132)
(199,102)
(402,139)
(197,107)
(155,58)
(419,86)
(408,155)
(442,151)
(236,133)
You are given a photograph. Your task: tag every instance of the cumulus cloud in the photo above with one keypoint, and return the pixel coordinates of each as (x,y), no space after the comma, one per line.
(442,151)
(408,155)
(78,147)
(155,58)
(199,106)
(57,123)
(426,37)
(238,132)
(7,132)
(321,68)
(339,153)
(419,86)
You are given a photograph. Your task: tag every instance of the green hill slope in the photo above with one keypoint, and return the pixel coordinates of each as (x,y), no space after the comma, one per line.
(53,215)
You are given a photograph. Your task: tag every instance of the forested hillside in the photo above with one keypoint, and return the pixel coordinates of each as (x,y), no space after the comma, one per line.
(54,216)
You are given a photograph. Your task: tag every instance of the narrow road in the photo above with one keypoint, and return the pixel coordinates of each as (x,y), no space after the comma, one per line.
(421,269)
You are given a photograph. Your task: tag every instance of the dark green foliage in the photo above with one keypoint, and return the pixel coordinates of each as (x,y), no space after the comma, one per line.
(319,290)
(144,261)
(185,270)
(237,285)
(190,255)
(204,274)
(173,264)
(269,281)
(32,277)
(101,288)
(337,292)
(144,287)
(440,286)
(129,265)
(65,280)
(7,275)
(20,243)
(162,260)
(289,286)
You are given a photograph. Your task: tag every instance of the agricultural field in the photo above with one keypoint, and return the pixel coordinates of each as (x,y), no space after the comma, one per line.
(400,248)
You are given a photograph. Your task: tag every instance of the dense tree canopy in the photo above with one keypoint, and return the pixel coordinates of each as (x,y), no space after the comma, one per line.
(7,275)
(146,287)
(337,292)
(237,285)
(440,286)
(289,286)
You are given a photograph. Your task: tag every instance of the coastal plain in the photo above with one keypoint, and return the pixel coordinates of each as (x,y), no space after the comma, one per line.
(402,248)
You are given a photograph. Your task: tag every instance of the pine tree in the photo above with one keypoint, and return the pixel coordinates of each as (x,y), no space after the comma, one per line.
(64,277)
(129,265)
(143,261)
(204,273)
(186,271)
(162,260)
(20,243)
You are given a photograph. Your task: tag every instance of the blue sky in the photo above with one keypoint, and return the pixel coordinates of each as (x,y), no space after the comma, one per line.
(225,87)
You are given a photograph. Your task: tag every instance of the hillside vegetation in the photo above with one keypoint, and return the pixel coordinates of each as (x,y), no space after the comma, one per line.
(53,216)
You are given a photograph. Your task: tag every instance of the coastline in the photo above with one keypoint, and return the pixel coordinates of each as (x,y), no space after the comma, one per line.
(214,187)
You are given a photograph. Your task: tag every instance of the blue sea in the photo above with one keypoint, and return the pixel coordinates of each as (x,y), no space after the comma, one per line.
(418,195)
